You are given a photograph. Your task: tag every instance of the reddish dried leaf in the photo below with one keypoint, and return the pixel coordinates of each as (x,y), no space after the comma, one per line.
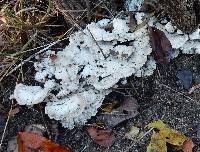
(103,137)
(30,141)
(188,146)
(127,110)
(161,46)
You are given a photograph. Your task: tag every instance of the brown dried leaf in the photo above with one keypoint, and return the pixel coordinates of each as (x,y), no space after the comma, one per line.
(127,110)
(103,137)
(161,46)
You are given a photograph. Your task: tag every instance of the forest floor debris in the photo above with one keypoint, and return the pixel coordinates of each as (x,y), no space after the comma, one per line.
(172,104)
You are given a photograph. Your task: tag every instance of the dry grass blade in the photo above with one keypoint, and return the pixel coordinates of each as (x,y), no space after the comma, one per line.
(21,25)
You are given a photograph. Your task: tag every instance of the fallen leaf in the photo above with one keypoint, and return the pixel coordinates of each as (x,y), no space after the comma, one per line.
(34,128)
(127,110)
(157,143)
(103,137)
(161,46)
(185,77)
(188,146)
(27,142)
(162,135)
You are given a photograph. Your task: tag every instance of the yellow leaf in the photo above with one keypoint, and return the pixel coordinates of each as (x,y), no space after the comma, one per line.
(163,135)
(157,144)
(157,124)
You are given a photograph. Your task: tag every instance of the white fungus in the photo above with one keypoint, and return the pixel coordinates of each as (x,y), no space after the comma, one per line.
(87,69)
(93,62)
(30,95)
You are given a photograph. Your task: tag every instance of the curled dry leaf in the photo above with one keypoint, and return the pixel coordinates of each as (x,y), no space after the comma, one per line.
(28,142)
(127,110)
(103,137)
(161,46)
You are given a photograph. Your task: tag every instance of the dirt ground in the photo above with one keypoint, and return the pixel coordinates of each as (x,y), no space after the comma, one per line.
(160,96)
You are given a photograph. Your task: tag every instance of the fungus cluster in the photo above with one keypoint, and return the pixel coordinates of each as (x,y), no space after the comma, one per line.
(77,79)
